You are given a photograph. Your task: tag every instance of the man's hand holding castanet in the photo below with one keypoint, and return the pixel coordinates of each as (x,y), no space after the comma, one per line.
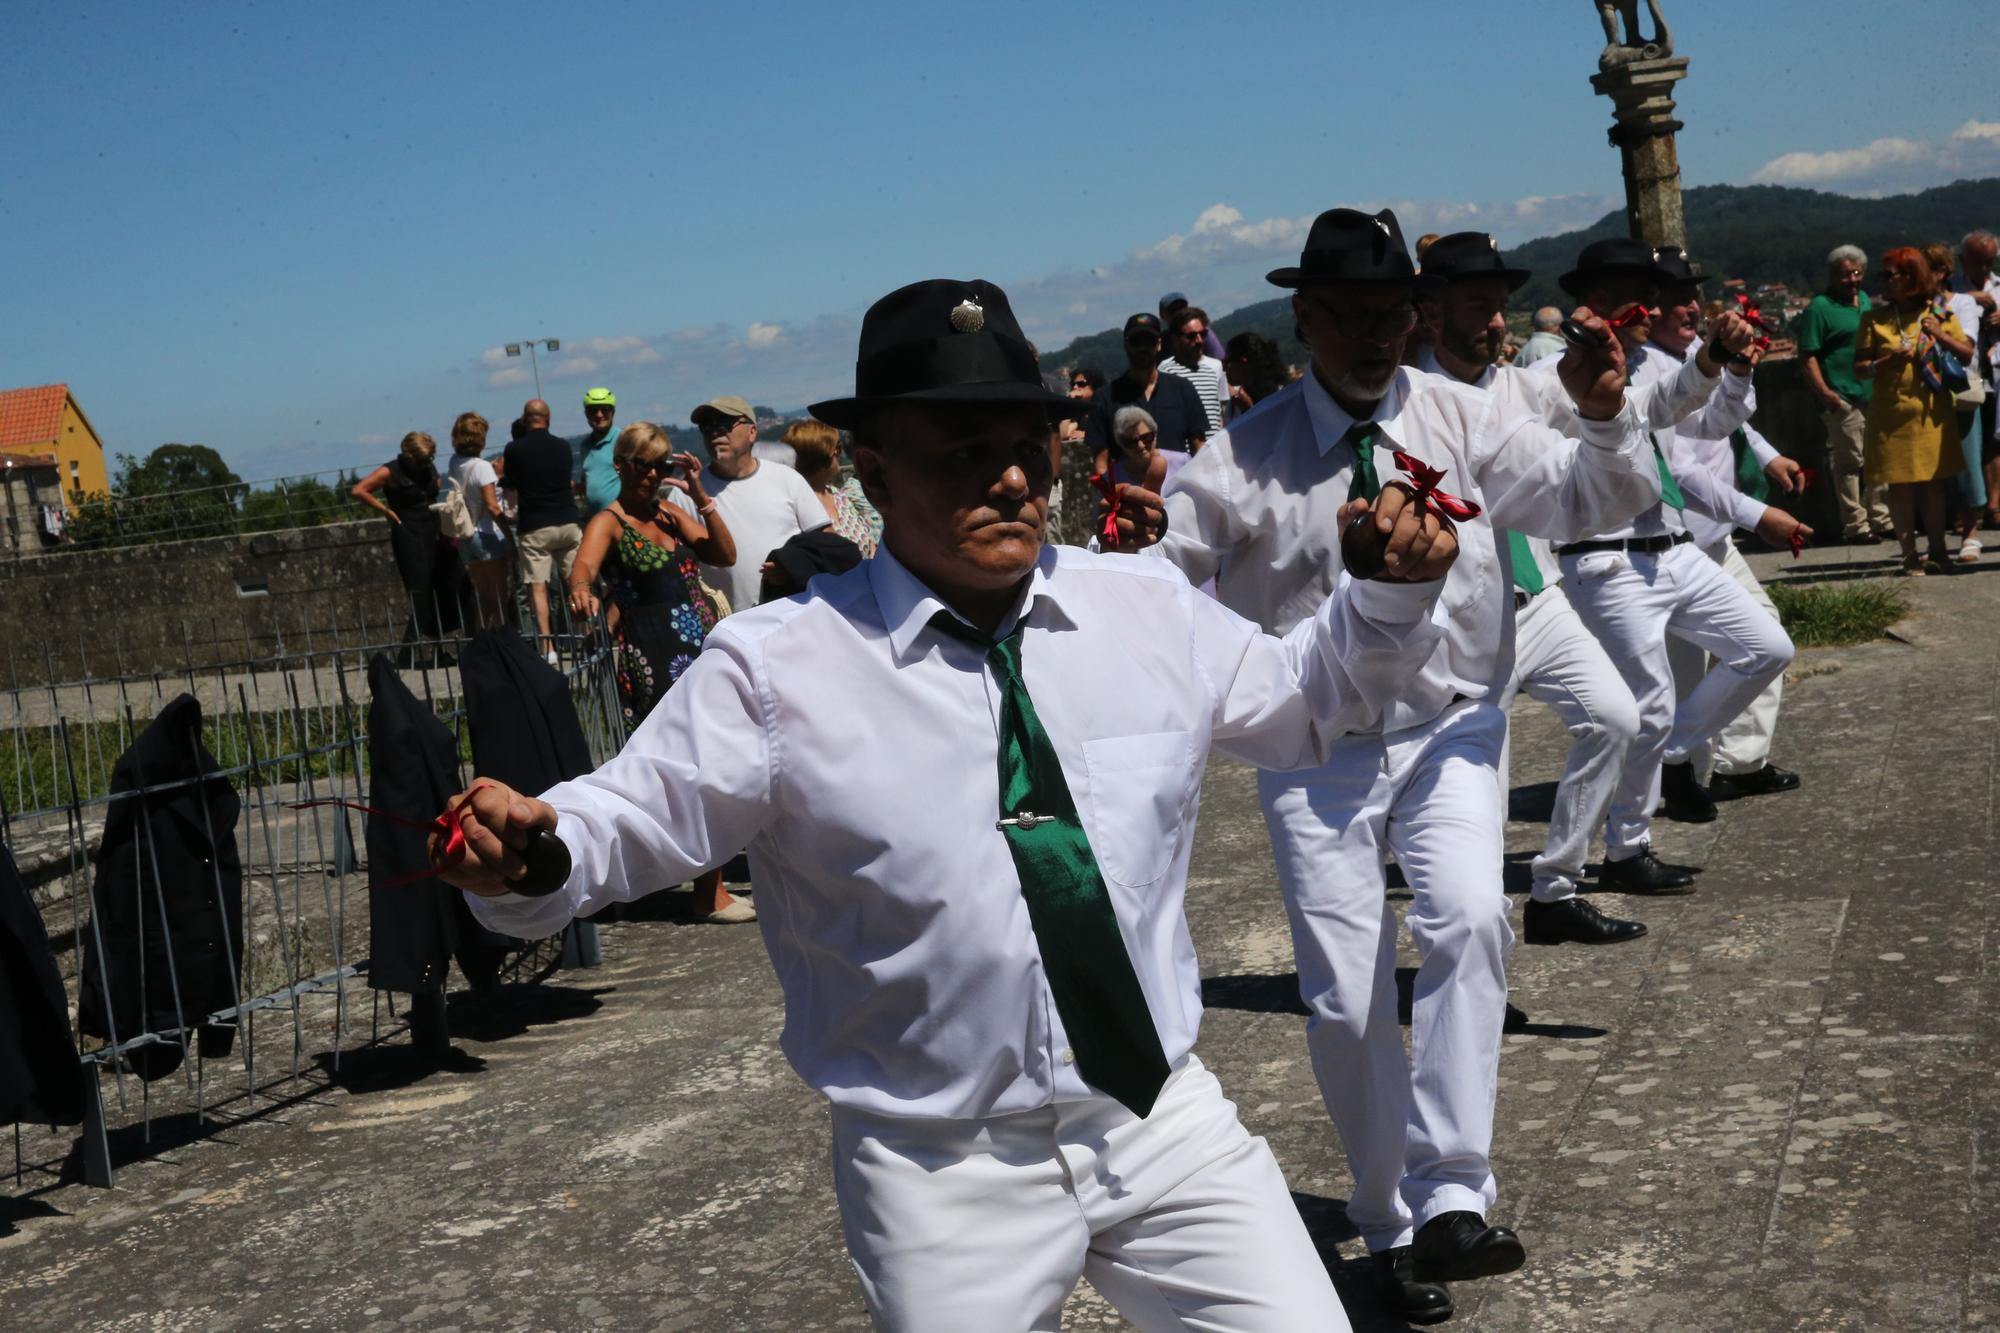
(1400,543)
(1594,375)
(1142,517)
(497,822)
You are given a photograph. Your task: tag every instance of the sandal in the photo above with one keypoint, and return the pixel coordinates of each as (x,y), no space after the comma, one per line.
(1968,551)
(1913,567)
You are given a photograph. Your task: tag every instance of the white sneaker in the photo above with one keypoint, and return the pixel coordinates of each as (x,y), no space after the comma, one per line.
(551,658)
(736,913)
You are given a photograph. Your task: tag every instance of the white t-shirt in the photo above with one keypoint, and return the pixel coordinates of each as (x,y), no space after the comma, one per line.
(473,474)
(763,511)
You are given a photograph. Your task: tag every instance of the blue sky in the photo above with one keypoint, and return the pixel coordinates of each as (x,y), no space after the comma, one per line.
(295,232)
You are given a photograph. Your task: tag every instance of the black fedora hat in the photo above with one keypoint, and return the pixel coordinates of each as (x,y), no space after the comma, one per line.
(1468,254)
(1675,266)
(1347,245)
(1617,254)
(944,341)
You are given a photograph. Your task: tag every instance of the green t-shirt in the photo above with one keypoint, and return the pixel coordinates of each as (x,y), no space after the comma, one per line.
(1827,330)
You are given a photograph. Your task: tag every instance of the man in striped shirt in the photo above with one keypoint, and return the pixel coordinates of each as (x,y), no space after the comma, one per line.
(1187,328)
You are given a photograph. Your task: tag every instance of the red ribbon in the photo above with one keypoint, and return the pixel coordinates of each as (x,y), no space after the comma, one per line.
(1636,313)
(1751,312)
(1798,541)
(1427,493)
(1108,489)
(446,826)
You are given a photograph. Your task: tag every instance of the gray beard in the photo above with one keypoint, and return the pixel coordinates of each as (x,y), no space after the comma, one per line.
(1353,386)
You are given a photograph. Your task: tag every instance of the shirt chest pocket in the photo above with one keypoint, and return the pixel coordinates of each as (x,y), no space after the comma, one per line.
(1139,789)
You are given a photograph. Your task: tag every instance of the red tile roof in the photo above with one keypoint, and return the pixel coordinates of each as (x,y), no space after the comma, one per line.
(30,417)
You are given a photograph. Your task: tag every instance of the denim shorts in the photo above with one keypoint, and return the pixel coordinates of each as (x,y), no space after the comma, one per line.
(485,546)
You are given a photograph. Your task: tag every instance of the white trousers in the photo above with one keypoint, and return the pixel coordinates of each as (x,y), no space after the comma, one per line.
(1560,662)
(1633,602)
(1418,1130)
(1181,1220)
(1744,744)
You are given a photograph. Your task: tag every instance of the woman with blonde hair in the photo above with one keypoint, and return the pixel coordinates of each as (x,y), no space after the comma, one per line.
(402,490)
(1910,431)
(489,552)
(817,448)
(646,548)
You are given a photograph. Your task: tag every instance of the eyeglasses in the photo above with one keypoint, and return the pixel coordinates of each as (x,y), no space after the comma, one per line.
(1079,384)
(663,466)
(714,425)
(1140,437)
(1191,334)
(1390,323)
(597,411)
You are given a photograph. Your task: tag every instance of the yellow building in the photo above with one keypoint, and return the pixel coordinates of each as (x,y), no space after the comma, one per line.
(47,420)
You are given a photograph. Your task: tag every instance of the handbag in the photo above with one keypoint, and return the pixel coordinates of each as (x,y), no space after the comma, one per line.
(454,519)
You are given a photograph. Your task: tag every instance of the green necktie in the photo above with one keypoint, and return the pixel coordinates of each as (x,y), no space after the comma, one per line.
(1527,574)
(1670,490)
(1360,437)
(1750,478)
(1083,955)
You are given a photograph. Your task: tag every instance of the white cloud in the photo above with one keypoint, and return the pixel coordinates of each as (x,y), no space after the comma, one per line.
(1891,164)
(511,377)
(372,440)
(763,335)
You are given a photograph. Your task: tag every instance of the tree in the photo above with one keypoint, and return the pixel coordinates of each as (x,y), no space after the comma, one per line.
(175,467)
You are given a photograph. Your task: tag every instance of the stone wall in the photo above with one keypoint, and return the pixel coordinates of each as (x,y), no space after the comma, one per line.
(71,614)
(1788,417)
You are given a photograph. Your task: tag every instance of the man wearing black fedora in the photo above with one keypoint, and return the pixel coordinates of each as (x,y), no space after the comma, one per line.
(1738,761)
(970,835)
(1465,288)
(1639,583)
(1260,505)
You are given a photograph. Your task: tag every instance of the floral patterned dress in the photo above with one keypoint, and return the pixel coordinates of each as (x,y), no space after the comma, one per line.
(663,616)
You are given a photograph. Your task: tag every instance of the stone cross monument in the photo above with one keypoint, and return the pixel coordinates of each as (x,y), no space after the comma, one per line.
(1638,75)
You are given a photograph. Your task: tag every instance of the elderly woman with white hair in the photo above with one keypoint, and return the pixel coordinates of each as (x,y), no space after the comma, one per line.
(1136,456)
(1827,332)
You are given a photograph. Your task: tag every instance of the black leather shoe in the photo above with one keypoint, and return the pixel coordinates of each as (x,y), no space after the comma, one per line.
(1682,797)
(1574,921)
(1515,1019)
(1459,1246)
(1412,1301)
(1770,778)
(1643,874)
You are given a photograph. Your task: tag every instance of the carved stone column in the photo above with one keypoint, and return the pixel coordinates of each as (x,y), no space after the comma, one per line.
(1643,128)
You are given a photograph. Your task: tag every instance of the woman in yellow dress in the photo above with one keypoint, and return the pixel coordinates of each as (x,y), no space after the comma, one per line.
(1910,437)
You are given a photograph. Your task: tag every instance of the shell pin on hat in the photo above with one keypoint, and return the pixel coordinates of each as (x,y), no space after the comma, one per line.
(967,317)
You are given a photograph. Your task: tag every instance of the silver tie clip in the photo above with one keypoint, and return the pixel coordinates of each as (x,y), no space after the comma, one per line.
(1026,819)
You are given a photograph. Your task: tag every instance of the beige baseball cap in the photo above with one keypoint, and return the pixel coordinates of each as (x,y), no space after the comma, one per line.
(728,405)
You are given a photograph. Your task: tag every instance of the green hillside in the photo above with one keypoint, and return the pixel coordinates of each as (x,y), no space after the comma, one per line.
(1766,233)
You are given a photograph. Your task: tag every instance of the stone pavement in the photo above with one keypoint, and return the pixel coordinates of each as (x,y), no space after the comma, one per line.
(1776,1112)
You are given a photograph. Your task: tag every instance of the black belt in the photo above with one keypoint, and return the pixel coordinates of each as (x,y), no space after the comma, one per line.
(1625,544)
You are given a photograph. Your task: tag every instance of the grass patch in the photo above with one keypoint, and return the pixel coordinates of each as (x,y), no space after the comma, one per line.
(1831,615)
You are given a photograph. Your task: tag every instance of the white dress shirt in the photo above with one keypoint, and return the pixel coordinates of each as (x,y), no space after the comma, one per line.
(852,747)
(1665,391)
(1259,506)
(1702,442)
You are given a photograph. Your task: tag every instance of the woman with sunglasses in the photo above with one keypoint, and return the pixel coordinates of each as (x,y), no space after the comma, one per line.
(646,548)
(1910,432)
(1137,459)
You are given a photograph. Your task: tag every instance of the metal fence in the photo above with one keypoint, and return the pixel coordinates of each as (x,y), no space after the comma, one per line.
(283,729)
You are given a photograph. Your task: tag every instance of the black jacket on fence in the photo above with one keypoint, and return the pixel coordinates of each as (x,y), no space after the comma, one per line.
(416,928)
(525,730)
(40,1079)
(167,901)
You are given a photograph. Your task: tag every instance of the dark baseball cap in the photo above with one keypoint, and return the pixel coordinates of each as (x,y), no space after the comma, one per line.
(1142,320)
